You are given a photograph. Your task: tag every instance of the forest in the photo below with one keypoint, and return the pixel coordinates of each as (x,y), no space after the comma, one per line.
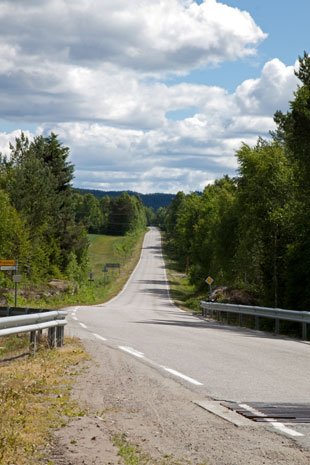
(155,201)
(252,231)
(44,222)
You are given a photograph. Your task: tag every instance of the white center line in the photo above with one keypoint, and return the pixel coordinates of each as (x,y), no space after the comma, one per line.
(132,351)
(276,425)
(99,337)
(74,318)
(83,326)
(180,375)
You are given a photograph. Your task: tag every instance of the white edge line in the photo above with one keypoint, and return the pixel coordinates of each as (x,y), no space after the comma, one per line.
(276,425)
(180,375)
(83,326)
(132,351)
(285,429)
(99,337)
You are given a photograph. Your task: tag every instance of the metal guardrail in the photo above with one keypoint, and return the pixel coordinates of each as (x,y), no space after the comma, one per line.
(14,311)
(54,321)
(275,313)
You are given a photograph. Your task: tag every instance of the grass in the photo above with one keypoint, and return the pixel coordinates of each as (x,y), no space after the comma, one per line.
(111,249)
(132,454)
(103,249)
(184,294)
(35,397)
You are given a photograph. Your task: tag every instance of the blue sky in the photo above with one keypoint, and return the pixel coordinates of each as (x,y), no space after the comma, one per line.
(150,95)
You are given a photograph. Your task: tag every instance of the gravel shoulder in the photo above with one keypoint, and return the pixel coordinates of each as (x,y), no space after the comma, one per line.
(121,395)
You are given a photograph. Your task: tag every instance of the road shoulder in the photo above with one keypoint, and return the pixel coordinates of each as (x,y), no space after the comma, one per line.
(123,397)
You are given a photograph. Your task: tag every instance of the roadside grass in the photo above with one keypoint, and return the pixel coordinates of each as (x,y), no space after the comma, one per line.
(132,454)
(184,294)
(35,391)
(35,397)
(103,249)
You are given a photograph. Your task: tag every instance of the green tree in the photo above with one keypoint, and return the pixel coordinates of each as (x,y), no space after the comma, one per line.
(126,214)
(186,219)
(37,178)
(160,217)
(264,204)
(88,212)
(172,213)
(293,129)
(14,236)
(105,207)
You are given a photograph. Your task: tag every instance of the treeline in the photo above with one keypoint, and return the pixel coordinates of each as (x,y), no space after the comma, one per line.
(37,216)
(44,222)
(111,215)
(153,201)
(253,230)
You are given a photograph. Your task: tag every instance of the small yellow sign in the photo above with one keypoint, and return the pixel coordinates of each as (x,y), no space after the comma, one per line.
(7,262)
(209,280)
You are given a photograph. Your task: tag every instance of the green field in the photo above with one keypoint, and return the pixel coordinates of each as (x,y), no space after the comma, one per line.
(124,250)
(102,250)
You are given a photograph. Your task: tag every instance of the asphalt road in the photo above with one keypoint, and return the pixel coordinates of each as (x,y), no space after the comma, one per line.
(217,361)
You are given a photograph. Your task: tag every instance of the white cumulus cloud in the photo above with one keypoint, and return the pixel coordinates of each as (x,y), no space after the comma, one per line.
(94,72)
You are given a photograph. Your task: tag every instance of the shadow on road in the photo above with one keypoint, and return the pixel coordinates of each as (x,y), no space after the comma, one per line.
(152,281)
(157,248)
(211,324)
(160,292)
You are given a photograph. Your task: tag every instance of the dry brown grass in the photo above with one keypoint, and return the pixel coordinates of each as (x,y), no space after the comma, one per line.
(35,397)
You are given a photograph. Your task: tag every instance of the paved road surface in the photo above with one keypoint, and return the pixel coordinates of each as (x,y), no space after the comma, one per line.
(221,362)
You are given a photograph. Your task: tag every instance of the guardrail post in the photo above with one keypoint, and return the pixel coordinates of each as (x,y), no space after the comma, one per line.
(60,335)
(51,337)
(33,341)
(240,319)
(228,318)
(304,331)
(257,322)
(218,315)
(277,326)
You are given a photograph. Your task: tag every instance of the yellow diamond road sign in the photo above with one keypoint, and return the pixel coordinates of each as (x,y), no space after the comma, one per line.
(209,280)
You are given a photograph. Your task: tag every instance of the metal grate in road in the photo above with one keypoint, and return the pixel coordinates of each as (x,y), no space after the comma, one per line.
(266,412)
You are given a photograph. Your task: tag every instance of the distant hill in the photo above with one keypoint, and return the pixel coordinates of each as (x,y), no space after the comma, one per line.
(149,200)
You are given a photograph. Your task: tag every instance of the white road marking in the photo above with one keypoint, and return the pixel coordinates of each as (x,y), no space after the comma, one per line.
(138,354)
(180,375)
(83,326)
(74,309)
(276,425)
(99,337)
(75,318)
(132,351)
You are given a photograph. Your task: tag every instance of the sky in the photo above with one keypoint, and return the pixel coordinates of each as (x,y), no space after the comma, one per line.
(149,95)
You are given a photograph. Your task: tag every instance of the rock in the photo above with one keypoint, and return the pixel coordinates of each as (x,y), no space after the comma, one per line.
(61,285)
(3,301)
(228,295)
